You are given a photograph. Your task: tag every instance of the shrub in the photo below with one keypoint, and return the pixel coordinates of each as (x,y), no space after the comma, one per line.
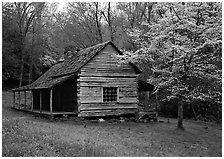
(196,109)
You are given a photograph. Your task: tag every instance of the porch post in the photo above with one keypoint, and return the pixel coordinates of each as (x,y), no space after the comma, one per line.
(25,99)
(14,99)
(31,100)
(51,95)
(40,101)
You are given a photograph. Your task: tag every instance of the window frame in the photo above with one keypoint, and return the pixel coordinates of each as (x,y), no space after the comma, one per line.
(117,101)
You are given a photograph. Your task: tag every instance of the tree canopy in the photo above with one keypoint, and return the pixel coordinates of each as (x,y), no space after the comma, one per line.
(184,49)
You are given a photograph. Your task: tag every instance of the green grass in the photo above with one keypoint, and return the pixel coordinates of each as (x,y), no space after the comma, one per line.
(26,135)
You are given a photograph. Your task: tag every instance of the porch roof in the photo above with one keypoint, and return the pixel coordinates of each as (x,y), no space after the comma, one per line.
(46,80)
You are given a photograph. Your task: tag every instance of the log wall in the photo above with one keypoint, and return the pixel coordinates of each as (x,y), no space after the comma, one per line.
(104,71)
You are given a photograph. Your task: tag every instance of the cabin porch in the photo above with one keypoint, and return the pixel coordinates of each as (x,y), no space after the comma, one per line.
(55,101)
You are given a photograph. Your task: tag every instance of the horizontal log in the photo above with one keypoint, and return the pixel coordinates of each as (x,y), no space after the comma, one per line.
(104,105)
(106,109)
(127,87)
(107,112)
(94,84)
(126,83)
(90,91)
(109,75)
(111,69)
(99,101)
(128,100)
(94,99)
(106,65)
(109,84)
(93,96)
(90,100)
(107,81)
(106,78)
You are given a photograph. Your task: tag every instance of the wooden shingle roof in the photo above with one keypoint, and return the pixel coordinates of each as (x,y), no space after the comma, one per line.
(46,80)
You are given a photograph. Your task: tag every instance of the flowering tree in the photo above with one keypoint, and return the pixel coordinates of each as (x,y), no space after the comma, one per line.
(183,47)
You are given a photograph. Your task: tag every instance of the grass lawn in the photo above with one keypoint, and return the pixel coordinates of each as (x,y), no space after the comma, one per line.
(26,135)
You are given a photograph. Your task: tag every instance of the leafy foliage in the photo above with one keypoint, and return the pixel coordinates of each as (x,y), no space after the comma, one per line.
(183,47)
(21,45)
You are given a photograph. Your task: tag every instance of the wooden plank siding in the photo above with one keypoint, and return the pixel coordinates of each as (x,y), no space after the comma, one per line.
(104,71)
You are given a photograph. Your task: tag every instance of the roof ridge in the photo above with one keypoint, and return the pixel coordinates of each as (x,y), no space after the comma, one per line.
(97,45)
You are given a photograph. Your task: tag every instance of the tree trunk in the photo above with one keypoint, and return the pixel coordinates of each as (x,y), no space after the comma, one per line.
(31,55)
(21,73)
(180,115)
(30,71)
(108,19)
(150,4)
(25,18)
(21,68)
(22,60)
(195,115)
(109,23)
(98,23)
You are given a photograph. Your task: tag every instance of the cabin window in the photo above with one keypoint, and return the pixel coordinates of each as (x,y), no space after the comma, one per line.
(110,94)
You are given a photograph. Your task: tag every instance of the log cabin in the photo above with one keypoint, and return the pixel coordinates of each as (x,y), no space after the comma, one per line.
(89,82)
